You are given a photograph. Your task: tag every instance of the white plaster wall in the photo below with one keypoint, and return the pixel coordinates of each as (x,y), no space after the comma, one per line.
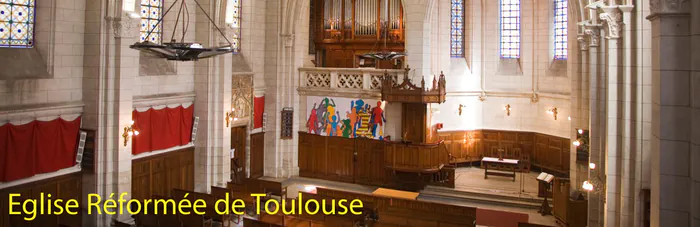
(62,21)
(482,71)
(182,81)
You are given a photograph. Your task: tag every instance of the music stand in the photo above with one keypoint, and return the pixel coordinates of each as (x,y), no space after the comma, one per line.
(547,180)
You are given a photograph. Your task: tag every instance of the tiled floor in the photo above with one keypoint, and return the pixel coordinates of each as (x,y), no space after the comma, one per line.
(472,179)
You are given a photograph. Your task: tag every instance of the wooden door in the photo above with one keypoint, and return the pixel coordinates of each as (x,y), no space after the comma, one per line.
(238,142)
(413,122)
(257,154)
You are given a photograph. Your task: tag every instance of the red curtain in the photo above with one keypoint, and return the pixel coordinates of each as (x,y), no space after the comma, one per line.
(258,109)
(37,147)
(162,129)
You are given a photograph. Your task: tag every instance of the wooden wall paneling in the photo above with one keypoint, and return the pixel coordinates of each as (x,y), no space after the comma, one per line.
(71,188)
(64,187)
(238,142)
(319,156)
(160,174)
(141,180)
(257,155)
(363,161)
(340,157)
(305,157)
(157,175)
(413,122)
(45,189)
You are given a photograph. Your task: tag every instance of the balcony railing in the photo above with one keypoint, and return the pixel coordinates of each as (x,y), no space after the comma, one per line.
(359,79)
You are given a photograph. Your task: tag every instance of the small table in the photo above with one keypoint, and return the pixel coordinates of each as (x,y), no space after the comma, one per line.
(395,193)
(509,165)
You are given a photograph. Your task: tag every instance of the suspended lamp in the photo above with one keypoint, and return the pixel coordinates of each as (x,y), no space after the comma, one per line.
(181,50)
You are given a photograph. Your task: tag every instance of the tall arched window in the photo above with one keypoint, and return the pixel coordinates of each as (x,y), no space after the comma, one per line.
(510,28)
(151,11)
(233,19)
(457,31)
(560,29)
(17,23)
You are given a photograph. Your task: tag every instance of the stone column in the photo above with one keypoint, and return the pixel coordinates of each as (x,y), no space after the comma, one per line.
(612,19)
(695,96)
(595,203)
(213,98)
(418,37)
(111,73)
(672,115)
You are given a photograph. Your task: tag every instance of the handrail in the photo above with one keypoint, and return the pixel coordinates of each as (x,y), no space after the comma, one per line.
(366,79)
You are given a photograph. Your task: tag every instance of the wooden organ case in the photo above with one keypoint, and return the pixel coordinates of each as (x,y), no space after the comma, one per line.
(343,30)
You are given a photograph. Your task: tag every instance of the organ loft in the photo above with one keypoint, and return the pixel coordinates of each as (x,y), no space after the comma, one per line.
(384,113)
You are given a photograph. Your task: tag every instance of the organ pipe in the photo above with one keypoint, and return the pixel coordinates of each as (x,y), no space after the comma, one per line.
(369,15)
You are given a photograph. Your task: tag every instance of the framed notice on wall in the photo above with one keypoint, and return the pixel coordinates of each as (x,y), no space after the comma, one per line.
(287,123)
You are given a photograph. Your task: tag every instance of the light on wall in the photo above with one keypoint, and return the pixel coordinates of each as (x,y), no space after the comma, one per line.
(553,111)
(230,117)
(507,109)
(591,165)
(460,109)
(129,131)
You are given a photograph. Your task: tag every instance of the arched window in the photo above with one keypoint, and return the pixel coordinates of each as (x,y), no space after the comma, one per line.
(560,29)
(510,28)
(457,31)
(151,11)
(17,23)
(233,19)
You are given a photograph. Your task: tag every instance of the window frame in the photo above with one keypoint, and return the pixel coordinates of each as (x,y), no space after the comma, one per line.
(457,52)
(564,34)
(29,40)
(143,19)
(501,30)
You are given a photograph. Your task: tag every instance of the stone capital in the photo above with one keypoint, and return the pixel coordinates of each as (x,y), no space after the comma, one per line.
(124,27)
(582,43)
(612,19)
(288,40)
(593,34)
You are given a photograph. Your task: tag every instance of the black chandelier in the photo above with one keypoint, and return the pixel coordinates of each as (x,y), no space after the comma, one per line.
(182,51)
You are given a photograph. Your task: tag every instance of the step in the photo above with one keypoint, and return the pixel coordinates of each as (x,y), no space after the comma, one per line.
(479,198)
(482,194)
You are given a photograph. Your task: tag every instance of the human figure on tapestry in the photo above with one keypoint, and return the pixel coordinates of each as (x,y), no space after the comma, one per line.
(363,125)
(320,120)
(377,119)
(352,118)
(311,122)
(333,125)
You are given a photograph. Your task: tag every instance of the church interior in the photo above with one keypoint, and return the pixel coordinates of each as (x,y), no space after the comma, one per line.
(435,113)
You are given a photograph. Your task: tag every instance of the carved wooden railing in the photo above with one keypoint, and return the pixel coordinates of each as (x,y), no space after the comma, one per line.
(345,78)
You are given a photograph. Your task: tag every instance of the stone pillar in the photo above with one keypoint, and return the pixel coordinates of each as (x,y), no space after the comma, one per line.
(595,203)
(112,107)
(615,130)
(212,101)
(672,115)
(418,37)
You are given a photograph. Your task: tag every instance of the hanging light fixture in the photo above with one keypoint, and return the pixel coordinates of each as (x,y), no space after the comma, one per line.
(182,51)
(384,54)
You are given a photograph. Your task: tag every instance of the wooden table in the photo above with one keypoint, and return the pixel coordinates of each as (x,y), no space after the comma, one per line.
(509,165)
(395,193)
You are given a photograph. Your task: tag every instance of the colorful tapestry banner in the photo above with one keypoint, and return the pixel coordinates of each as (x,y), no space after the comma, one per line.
(345,117)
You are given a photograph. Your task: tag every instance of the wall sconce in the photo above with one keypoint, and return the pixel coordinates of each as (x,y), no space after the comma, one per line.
(460,109)
(591,166)
(507,109)
(230,117)
(553,111)
(129,131)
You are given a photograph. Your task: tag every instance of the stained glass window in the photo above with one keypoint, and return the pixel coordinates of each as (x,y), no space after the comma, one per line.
(17,23)
(150,13)
(236,25)
(510,28)
(457,31)
(560,29)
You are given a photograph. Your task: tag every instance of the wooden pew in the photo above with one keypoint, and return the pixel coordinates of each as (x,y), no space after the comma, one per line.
(195,220)
(221,193)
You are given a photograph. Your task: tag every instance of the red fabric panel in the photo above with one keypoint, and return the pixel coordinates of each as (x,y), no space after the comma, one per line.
(187,121)
(37,147)
(142,124)
(162,129)
(259,108)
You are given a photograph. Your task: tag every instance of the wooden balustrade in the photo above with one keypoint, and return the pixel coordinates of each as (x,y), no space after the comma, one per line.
(415,158)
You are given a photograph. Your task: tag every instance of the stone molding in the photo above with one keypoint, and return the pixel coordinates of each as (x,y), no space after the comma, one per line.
(667,6)
(612,19)
(124,28)
(288,40)
(162,99)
